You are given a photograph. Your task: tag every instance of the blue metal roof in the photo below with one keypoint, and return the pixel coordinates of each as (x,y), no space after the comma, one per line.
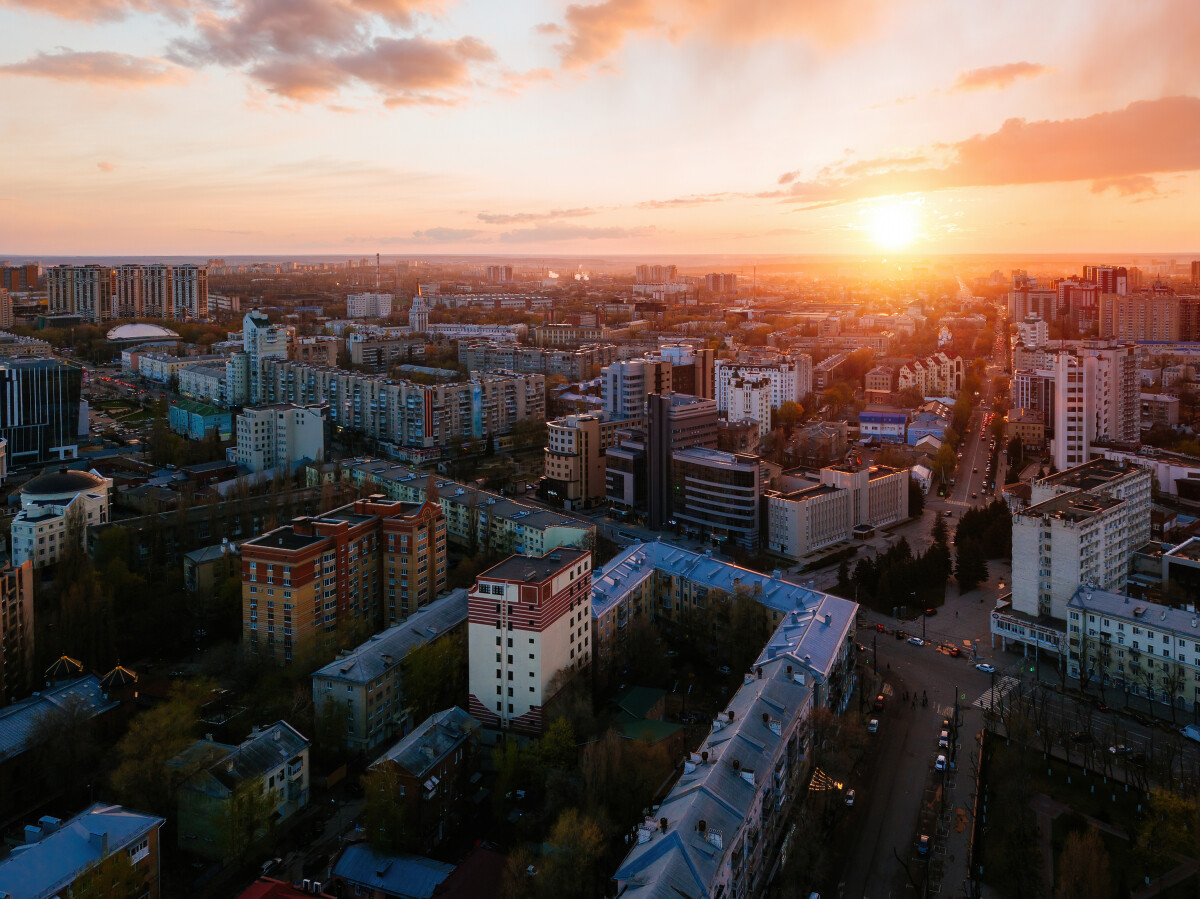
(405,876)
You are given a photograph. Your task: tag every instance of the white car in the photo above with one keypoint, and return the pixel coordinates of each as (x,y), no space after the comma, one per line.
(944,740)
(939,763)
(916,641)
(986,668)
(873,726)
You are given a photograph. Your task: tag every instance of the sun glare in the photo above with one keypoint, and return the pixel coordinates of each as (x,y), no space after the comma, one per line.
(894,224)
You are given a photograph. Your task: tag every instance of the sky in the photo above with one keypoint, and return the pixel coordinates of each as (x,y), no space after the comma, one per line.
(531,127)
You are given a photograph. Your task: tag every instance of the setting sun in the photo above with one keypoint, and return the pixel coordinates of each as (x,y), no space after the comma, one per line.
(893,225)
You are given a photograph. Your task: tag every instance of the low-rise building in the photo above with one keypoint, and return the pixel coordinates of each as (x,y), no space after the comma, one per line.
(195,420)
(361,872)
(879,383)
(936,375)
(431,766)
(205,383)
(362,689)
(272,761)
(57,856)
(846,500)
(1027,425)
(1160,409)
(883,424)
(57,507)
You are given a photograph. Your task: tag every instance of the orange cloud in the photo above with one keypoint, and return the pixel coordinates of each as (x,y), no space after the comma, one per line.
(543,233)
(1126,185)
(1144,138)
(593,33)
(106,167)
(305,50)
(677,202)
(96,67)
(100,10)
(513,218)
(998,77)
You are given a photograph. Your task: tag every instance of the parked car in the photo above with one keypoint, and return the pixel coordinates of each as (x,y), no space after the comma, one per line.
(986,668)
(850,797)
(944,739)
(879,702)
(1120,749)
(873,726)
(930,612)
(939,764)
(923,845)
(916,641)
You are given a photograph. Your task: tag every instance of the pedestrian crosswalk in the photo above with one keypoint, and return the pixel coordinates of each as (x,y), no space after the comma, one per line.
(995,695)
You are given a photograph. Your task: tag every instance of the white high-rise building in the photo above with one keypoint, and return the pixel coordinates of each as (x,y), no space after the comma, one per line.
(627,383)
(750,399)
(283,434)
(790,378)
(1033,332)
(158,292)
(129,302)
(261,341)
(369,305)
(529,629)
(1095,397)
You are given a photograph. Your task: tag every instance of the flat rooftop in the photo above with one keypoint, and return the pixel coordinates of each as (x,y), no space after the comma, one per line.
(1089,475)
(1074,507)
(532,569)
(284,538)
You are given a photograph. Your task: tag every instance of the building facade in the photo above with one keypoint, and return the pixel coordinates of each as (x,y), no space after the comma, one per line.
(276,436)
(356,568)
(528,632)
(718,494)
(628,383)
(57,507)
(790,377)
(369,305)
(16,630)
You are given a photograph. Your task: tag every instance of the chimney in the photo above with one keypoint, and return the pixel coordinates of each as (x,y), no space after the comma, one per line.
(737,766)
(730,714)
(828,620)
(33,833)
(766,717)
(704,757)
(278,735)
(702,826)
(49,823)
(789,669)
(99,841)
(662,824)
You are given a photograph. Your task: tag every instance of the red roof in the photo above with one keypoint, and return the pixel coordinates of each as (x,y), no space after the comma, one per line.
(270,888)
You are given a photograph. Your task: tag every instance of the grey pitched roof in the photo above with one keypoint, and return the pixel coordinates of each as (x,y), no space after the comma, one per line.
(45,868)
(437,735)
(684,861)
(369,660)
(256,756)
(408,876)
(19,721)
(800,605)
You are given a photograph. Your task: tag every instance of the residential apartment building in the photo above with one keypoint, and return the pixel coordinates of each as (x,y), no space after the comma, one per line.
(379,354)
(668,581)
(750,400)
(1159,409)
(721,829)
(261,341)
(272,761)
(370,563)
(579,364)
(1142,317)
(281,435)
(628,383)
(361,693)
(674,422)
(317,350)
(1028,297)
(790,376)
(1082,527)
(16,630)
(718,494)
(568,335)
(528,632)
(407,414)
(56,854)
(692,369)
(20,278)
(475,519)
(936,375)
(15,346)
(883,423)
(83,290)
(100,293)
(1028,426)
(369,305)
(828,371)
(848,500)
(880,383)
(819,444)
(189,292)
(431,767)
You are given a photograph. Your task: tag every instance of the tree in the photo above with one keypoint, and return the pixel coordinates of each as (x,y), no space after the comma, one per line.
(557,748)
(114,877)
(916,498)
(390,825)
(844,587)
(788,414)
(910,397)
(572,867)
(971,567)
(246,821)
(435,676)
(1168,826)
(142,778)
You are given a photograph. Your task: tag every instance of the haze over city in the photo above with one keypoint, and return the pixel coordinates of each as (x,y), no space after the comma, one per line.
(627,126)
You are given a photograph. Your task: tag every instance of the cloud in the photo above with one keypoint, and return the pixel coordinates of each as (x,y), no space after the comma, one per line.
(998,77)
(1143,138)
(100,10)
(306,50)
(542,233)
(591,34)
(677,202)
(514,218)
(96,67)
(445,235)
(106,166)
(1126,185)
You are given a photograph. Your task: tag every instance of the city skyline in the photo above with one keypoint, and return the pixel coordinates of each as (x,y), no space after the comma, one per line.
(623,127)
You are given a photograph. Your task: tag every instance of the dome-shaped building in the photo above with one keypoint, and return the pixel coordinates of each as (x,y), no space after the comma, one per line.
(49,503)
